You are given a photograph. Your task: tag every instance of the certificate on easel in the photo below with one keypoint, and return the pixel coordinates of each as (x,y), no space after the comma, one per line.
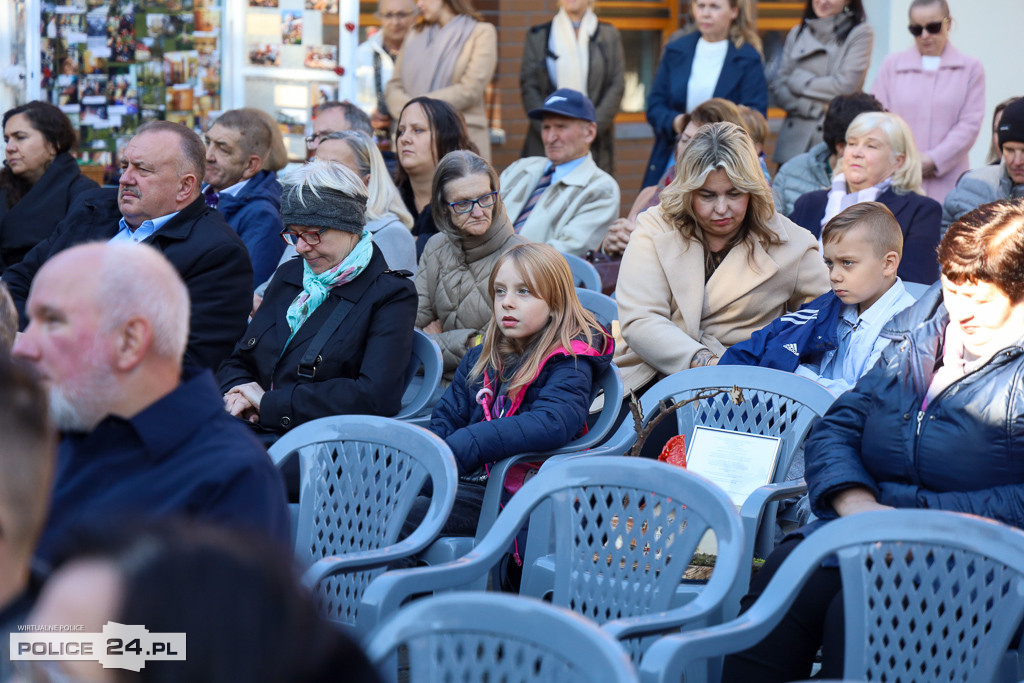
(738,463)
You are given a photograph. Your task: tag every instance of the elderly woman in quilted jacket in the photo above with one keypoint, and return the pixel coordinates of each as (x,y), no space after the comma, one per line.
(938,423)
(454,304)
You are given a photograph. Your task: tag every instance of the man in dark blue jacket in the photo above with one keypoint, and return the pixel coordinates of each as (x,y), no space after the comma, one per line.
(141,441)
(238,186)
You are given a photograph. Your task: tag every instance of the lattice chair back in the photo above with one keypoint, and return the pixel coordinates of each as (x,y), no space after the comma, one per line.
(584,274)
(359,476)
(928,596)
(601,305)
(421,388)
(495,637)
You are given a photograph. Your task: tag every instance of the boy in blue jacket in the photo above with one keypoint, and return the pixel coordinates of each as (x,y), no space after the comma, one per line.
(835,339)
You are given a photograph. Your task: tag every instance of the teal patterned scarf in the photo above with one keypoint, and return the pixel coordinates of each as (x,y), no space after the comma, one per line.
(316,287)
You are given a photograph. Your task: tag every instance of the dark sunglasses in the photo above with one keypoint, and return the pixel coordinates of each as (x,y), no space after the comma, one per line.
(933,28)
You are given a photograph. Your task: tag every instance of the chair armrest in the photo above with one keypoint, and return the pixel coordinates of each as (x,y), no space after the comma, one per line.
(702,607)
(491,505)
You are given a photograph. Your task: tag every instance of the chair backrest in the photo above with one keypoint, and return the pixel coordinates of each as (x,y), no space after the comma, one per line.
(916,289)
(624,531)
(584,274)
(359,476)
(419,389)
(495,637)
(601,305)
(776,404)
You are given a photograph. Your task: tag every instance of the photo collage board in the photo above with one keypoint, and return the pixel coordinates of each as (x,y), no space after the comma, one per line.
(112,65)
(285,37)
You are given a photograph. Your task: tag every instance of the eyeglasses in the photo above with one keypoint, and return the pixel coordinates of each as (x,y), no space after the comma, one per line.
(485,201)
(311,238)
(395,16)
(932,28)
(316,139)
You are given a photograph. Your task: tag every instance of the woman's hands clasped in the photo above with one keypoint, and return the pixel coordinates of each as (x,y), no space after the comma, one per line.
(244,401)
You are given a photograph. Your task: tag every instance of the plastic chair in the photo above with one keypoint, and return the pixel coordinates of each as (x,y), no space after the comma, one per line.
(359,477)
(624,531)
(420,389)
(584,274)
(928,595)
(777,404)
(601,305)
(493,637)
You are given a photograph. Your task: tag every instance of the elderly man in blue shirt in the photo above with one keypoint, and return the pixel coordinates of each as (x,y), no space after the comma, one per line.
(109,325)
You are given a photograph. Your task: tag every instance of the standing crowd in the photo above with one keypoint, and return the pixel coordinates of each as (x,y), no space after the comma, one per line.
(176,326)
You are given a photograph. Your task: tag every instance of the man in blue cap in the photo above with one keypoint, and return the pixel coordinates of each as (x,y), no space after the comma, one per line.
(562,198)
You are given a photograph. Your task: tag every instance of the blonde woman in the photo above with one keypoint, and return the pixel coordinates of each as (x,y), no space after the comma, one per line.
(574,51)
(387,219)
(881,164)
(712,264)
(722,59)
(451,56)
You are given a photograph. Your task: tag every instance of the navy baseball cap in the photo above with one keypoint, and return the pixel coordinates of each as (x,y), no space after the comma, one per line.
(566,102)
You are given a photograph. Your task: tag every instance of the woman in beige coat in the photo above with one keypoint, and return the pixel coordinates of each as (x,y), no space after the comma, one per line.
(454,304)
(711,264)
(825,55)
(451,56)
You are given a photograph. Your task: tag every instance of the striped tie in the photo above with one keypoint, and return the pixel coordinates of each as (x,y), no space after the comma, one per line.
(542,184)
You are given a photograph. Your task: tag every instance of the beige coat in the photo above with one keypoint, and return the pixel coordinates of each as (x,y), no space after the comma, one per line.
(667,313)
(573,214)
(816,68)
(474,70)
(452,285)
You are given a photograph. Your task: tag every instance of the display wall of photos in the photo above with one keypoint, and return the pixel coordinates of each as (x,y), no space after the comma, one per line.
(111,65)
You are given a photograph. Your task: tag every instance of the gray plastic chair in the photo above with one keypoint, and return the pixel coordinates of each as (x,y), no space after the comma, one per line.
(777,404)
(599,304)
(928,596)
(624,531)
(584,274)
(359,477)
(420,389)
(494,637)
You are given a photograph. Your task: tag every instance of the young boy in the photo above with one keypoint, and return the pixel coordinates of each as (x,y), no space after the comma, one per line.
(835,338)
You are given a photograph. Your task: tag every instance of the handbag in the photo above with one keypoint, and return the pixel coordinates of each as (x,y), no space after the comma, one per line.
(607,267)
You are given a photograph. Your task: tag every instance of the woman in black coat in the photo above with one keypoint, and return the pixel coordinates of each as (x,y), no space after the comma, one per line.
(554,48)
(283,373)
(39,179)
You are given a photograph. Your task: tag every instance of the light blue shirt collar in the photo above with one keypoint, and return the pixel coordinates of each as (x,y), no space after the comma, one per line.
(143,232)
(565,169)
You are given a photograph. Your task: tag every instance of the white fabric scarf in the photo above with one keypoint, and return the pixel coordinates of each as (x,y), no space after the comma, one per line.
(839,199)
(573,64)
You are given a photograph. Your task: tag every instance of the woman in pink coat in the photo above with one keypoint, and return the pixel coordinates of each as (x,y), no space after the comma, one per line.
(939,92)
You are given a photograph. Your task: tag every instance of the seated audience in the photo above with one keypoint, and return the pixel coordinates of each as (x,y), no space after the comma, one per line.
(562,198)
(714,110)
(334,333)
(535,372)
(991,183)
(756,126)
(27,453)
(158,202)
(427,130)
(933,425)
(237,185)
(452,283)
(40,178)
(711,265)
(108,329)
(813,169)
(177,578)
(880,163)
(836,338)
(334,116)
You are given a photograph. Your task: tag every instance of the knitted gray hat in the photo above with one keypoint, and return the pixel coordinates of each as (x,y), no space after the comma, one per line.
(325,207)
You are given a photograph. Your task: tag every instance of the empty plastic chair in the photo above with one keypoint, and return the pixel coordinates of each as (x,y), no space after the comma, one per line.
(624,531)
(927,595)
(493,637)
(420,389)
(359,477)
(584,274)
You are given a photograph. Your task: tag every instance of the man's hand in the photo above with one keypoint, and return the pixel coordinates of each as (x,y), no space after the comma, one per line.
(619,232)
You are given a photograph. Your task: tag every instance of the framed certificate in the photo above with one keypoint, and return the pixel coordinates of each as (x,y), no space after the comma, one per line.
(738,463)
